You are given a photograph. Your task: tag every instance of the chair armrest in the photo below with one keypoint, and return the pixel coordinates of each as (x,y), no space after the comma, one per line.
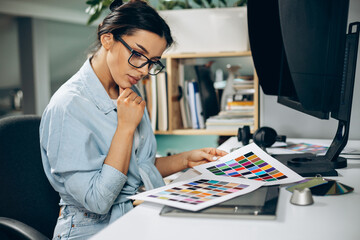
(21,229)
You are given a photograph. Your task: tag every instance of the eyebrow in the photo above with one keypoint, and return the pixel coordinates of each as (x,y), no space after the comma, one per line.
(145,51)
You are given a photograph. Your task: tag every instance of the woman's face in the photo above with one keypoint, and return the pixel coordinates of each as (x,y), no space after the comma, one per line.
(147,43)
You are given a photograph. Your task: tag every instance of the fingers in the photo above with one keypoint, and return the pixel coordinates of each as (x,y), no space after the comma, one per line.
(128,95)
(209,157)
(219,152)
(213,154)
(124,92)
(138,100)
(193,164)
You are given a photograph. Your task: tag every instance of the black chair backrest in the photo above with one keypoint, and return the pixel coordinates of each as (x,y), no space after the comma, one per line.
(25,192)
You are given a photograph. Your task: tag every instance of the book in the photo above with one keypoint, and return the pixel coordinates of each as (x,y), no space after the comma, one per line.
(195,105)
(240,103)
(228,122)
(240,113)
(199,108)
(191,97)
(239,107)
(162,100)
(184,109)
(153,102)
(148,95)
(186,104)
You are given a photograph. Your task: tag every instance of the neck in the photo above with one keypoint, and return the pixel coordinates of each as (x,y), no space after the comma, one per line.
(98,63)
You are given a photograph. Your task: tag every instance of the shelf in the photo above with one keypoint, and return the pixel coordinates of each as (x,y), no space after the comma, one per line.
(206,55)
(197,132)
(175,124)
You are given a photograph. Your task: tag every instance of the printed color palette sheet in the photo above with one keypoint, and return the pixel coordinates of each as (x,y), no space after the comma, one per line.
(199,192)
(253,163)
(309,148)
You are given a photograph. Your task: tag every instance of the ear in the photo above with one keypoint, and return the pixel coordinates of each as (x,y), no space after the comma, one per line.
(107,40)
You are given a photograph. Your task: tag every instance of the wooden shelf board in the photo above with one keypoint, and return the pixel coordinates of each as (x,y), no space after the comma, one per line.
(204,55)
(197,132)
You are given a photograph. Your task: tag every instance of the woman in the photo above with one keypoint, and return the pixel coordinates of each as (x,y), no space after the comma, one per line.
(96,139)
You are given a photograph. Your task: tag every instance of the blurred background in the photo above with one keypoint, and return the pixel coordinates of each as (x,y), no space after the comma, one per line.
(44,42)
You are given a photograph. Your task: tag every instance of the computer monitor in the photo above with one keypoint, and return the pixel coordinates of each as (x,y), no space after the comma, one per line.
(303,54)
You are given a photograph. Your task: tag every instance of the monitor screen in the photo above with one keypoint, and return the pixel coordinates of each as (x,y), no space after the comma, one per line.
(304,53)
(298,49)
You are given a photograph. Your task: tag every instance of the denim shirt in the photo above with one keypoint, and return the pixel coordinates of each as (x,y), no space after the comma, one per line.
(76,131)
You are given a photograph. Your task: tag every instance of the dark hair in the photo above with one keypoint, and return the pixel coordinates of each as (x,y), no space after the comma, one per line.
(134,15)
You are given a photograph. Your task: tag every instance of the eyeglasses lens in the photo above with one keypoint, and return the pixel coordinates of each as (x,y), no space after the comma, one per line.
(138,60)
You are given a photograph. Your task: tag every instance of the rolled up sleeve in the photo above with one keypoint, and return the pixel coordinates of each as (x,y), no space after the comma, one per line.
(96,191)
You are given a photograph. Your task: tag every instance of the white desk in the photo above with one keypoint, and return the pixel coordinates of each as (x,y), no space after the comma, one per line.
(330,217)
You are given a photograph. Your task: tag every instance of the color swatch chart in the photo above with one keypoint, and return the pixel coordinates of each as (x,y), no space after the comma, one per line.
(249,166)
(309,148)
(245,163)
(199,192)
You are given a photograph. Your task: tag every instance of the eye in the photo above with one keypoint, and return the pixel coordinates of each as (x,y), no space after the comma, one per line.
(137,55)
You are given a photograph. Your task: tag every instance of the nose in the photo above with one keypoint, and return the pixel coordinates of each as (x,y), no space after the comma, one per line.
(144,70)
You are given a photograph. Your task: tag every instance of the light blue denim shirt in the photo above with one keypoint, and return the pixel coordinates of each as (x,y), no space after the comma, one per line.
(76,131)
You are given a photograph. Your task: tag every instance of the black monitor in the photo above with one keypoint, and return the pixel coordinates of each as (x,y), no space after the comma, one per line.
(305,54)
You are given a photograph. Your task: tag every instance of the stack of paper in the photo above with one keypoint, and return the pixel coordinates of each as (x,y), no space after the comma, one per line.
(235,174)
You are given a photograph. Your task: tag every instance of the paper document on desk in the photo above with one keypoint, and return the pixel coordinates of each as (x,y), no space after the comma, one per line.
(251,162)
(307,148)
(199,192)
(303,147)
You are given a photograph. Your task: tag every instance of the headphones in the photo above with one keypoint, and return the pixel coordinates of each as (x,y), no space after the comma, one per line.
(264,137)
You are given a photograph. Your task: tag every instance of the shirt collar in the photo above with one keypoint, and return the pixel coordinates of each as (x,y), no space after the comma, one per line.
(96,90)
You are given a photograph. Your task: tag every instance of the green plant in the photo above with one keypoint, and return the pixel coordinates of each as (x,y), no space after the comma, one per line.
(96,7)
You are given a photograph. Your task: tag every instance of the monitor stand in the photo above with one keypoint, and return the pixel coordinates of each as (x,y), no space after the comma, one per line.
(307,164)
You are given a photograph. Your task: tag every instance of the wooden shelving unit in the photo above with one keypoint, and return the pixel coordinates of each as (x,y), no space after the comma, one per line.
(175,121)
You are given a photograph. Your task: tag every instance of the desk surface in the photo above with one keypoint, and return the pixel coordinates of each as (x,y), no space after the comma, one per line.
(330,217)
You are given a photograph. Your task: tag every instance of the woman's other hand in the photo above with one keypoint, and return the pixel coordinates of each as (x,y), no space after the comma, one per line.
(200,156)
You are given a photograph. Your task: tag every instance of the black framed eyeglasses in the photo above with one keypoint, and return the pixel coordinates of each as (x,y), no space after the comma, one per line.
(139,60)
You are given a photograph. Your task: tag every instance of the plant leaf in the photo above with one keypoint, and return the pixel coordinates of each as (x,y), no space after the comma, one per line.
(94,16)
(240,3)
(223,2)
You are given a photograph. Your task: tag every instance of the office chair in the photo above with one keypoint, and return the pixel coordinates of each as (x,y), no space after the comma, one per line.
(29,205)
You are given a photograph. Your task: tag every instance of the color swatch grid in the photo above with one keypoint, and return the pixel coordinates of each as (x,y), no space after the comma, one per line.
(306,147)
(248,166)
(199,191)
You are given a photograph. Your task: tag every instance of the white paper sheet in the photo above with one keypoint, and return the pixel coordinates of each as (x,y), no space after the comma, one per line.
(199,192)
(253,163)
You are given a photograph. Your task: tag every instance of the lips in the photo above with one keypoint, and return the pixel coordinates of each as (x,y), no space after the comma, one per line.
(133,79)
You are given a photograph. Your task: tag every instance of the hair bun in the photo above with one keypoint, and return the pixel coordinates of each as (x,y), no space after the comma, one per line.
(115,4)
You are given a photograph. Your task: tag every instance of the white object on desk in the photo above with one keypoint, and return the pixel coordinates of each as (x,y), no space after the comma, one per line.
(302,197)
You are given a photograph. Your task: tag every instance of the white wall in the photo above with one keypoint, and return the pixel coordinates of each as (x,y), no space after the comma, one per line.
(68,44)
(295,124)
